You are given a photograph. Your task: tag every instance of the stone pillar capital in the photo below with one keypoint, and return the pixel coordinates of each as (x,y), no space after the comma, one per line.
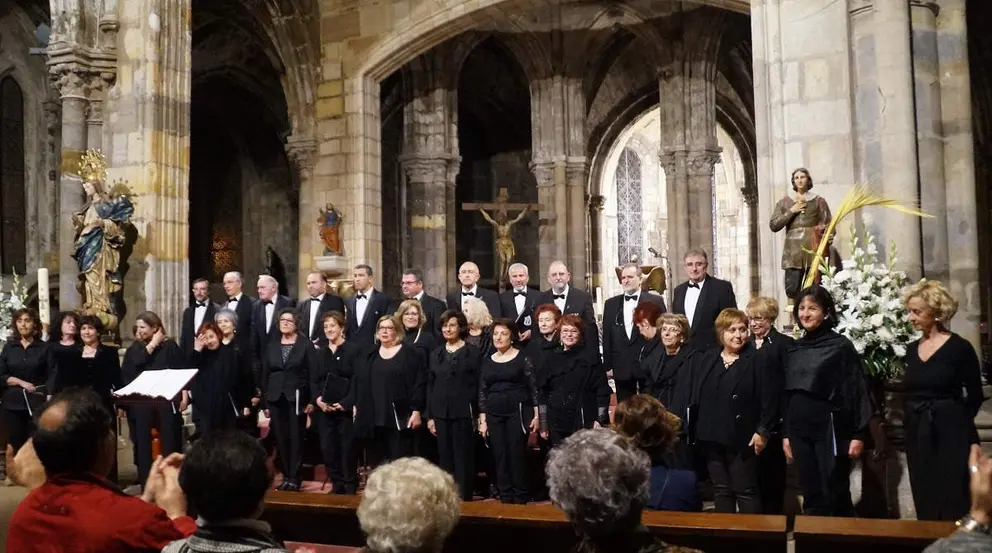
(596,204)
(701,162)
(576,171)
(750,195)
(544,172)
(427,168)
(302,151)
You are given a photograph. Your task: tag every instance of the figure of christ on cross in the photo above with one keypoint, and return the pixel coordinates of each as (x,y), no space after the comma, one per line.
(503,225)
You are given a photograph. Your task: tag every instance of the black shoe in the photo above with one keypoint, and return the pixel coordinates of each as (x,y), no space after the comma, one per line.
(282,487)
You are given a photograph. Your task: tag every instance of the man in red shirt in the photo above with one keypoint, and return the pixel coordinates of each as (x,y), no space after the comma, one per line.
(77,509)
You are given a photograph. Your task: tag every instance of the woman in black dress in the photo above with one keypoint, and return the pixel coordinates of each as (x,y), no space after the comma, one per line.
(25,368)
(665,362)
(575,388)
(152,350)
(827,407)
(286,367)
(227,322)
(540,348)
(479,325)
(222,388)
(98,366)
(65,351)
(508,410)
(330,385)
(940,419)
(735,406)
(415,331)
(452,396)
(389,392)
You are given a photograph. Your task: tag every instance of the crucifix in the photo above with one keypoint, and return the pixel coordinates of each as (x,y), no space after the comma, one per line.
(503,225)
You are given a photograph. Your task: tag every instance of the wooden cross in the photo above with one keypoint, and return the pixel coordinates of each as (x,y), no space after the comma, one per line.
(502,205)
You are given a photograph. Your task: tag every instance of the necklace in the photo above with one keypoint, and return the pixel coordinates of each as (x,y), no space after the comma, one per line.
(728,360)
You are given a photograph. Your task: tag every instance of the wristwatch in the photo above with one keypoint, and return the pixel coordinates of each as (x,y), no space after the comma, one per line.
(969,524)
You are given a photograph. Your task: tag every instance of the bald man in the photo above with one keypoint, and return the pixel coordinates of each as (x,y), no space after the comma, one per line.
(468,275)
(572,301)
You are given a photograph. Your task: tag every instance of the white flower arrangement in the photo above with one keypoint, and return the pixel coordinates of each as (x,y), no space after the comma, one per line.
(871,313)
(9,302)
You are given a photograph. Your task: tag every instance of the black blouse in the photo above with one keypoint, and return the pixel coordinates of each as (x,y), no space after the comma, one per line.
(387,390)
(101,373)
(540,349)
(951,370)
(507,387)
(31,364)
(576,390)
(663,372)
(168,355)
(453,383)
(333,378)
(221,383)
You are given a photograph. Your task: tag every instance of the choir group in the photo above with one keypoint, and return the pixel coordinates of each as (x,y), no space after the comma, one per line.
(478,381)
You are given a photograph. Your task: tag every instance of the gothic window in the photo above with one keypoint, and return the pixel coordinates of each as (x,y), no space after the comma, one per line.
(12,208)
(629,206)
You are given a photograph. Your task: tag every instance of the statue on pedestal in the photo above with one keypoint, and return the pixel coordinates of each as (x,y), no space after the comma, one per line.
(805,217)
(98,240)
(330,229)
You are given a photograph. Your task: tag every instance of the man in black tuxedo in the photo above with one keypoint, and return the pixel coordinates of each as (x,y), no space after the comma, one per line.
(242,304)
(265,315)
(413,289)
(622,341)
(312,309)
(701,299)
(202,311)
(468,275)
(571,301)
(518,304)
(365,308)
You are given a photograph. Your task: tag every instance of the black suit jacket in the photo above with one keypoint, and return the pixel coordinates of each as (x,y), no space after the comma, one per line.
(525,319)
(363,333)
(715,296)
(260,335)
(329,302)
(188,332)
(488,296)
(244,311)
(433,309)
(620,353)
(284,379)
(578,302)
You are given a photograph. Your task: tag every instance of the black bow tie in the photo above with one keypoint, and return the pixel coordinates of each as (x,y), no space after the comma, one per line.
(201,304)
(524,294)
(314,299)
(464,294)
(361,296)
(630,298)
(267,302)
(558,296)
(694,285)
(232,298)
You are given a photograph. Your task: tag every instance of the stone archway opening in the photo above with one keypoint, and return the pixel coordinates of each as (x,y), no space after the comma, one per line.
(244,201)
(635,194)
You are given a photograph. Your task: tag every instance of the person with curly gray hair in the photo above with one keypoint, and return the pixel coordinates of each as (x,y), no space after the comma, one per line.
(410,506)
(601,481)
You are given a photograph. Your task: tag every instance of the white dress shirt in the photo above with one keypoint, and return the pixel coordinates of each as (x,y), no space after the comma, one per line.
(474,291)
(270,309)
(361,304)
(233,304)
(560,302)
(628,311)
(198,313)
(691,299)
(519,301)
(314,307)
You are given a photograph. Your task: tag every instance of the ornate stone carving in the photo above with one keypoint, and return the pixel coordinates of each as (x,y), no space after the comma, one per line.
(71,81)
(668,161)
(576,172)
(302,153)
(53,123)
(423,169)
(750,195)
(596,204)
(544,173)
(702,162)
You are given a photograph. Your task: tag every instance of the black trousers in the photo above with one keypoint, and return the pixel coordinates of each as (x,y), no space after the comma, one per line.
(625,389)
(214,421)
(825,479)
(456,450)
(336,431)
(288,426)
(508,442)
(170,428)
(19,425)
(388,444)
(771,477)
(734,473)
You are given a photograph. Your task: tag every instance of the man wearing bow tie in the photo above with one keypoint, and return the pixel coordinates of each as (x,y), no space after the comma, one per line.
(468,275)
(320,302)
(701,299)
(242,305)
(572,301)
(518,303)
(194,316)
(622,342)
(365,308)
(412,284)
(265,313)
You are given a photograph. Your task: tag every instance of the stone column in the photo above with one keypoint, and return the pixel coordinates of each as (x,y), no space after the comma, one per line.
(959,168)
(148,110)
(699,167)
(97,91)
(427,178)
(544,173)
(71,82)
(302,150)
(677,190)
(900,177)
(596,204)
(577,177)
(50,224)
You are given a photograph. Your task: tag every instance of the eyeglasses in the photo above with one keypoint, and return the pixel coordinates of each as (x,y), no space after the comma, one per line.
(758,319)
(287,321)
(389,328)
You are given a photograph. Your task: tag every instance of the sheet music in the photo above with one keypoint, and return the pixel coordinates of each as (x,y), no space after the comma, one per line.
(165,384)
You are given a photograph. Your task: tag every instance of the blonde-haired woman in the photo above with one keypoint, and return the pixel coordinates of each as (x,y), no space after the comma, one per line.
(416,331)
(396,514)
(479,322)
(940,419)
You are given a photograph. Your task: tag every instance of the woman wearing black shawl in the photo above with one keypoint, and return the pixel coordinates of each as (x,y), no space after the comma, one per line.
(827,406)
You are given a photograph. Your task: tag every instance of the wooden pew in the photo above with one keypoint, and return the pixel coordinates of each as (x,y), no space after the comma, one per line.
(490,527)
(866,535)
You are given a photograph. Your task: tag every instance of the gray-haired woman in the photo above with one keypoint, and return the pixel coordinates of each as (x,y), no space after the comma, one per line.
(601,481)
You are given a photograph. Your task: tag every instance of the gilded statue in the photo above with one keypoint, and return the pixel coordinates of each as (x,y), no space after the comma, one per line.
(330,229)
(804,216)
(99,237)
(504,243)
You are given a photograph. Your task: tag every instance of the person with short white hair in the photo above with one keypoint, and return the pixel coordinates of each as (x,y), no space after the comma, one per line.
(263,317)
(409,506)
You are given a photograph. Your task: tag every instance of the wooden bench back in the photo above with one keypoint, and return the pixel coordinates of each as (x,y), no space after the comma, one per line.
(866,535)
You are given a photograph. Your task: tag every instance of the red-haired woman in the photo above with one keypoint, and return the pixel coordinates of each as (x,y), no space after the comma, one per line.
(222,389)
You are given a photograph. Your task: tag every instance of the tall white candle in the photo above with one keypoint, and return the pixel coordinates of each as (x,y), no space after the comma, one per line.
(599,300)
(43,303)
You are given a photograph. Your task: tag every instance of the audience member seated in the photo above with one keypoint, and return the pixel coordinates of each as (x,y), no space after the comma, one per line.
(601,481)
(224,477)
(409,506)
(975,533)
(644,420)
(77,509)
